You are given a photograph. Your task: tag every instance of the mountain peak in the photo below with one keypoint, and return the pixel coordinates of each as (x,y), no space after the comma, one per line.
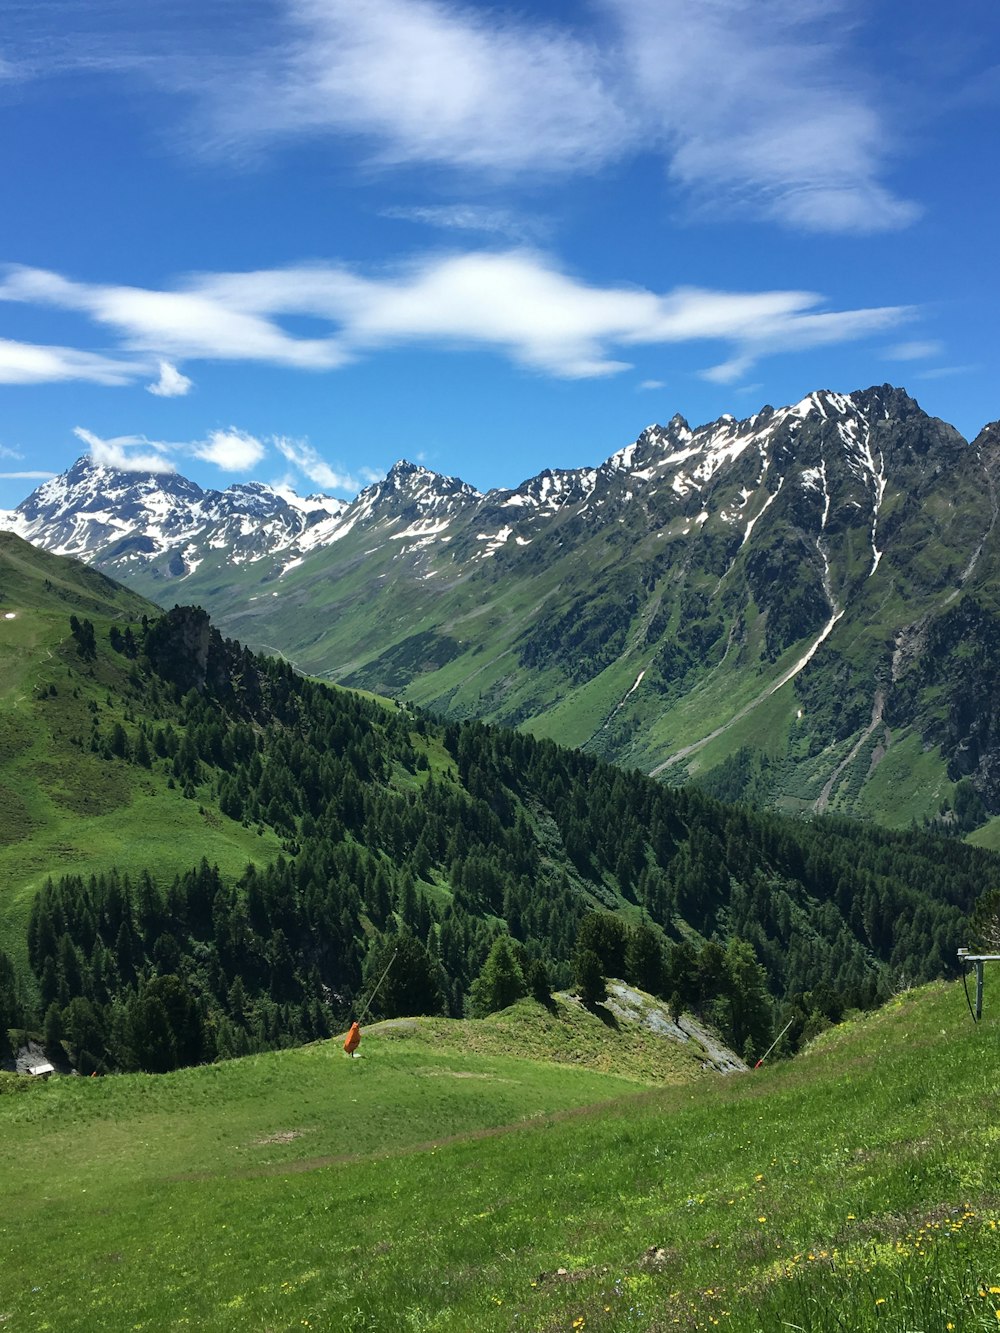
(410,477)
(404,468)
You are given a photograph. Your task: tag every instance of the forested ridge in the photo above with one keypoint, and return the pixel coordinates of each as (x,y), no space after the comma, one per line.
(477,863)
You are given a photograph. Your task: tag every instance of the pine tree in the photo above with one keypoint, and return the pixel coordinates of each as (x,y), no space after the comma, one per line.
(644,958)
(588,977)
(501,981)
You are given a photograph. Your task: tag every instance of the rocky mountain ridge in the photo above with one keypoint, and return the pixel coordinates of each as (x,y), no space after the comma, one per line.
(764,585)
(107,516)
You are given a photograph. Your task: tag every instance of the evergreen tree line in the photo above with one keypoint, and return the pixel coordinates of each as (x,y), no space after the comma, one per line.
(424,848)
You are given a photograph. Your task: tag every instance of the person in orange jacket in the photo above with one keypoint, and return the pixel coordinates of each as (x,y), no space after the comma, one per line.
(352,1040)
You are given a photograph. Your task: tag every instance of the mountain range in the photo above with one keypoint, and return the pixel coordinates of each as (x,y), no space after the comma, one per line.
(799,607)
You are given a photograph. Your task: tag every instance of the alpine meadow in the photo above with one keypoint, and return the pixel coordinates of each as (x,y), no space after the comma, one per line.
(499,691)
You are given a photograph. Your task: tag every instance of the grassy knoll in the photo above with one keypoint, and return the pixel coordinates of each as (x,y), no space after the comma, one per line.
(431,1186)
(565,1034)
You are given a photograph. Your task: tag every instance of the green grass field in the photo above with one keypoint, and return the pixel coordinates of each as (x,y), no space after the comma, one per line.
(442,1182)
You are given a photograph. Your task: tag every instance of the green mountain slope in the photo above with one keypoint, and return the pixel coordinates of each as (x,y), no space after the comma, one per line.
(216,855)
(63,807)
(428,1185)
(777,606)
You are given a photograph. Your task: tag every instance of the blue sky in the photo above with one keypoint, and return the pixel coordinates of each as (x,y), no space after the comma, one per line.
(296,240)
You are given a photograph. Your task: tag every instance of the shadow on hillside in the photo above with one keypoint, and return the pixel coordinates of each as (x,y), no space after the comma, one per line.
(605,1015)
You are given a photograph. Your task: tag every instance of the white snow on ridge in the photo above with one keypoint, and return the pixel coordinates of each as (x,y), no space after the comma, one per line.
(877,477)
(549,491)
(310,504)
(326,531)
(423,527)
(622,460)
(494,541)
(12,521)
(763,510)
(679,456)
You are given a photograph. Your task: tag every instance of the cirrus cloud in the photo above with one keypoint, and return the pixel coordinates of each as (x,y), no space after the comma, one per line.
(230,450)
(429,81)
(916,350)
(30,363)
(780,110)
(518,302)
(755,106)
(304,457)
(116,452)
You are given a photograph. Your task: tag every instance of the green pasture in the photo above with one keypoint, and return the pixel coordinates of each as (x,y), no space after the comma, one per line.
(431,1185)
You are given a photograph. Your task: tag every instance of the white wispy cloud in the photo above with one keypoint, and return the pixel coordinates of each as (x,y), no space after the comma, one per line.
(518,302)
(231,450)
(946,372)
(652,384)
(15,456)
(914,351)
(120,452)
(766,108)
(170,384)
(429,81)
(31,363)
(305,458)
(522,304)
(184,323)
(761,110)
(488,221)
(728,372)
(805,330)
(755,106)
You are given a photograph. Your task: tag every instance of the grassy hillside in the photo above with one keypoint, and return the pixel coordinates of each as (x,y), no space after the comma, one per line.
(439,1184)
(237,853)
(63,808)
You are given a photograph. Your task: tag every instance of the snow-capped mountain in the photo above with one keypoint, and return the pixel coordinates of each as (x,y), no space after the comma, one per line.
(765,582)
(122,520)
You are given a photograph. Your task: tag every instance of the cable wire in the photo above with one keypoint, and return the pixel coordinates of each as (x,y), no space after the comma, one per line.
(968,1000)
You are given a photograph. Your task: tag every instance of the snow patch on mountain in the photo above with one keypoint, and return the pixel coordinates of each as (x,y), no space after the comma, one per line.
(681,477)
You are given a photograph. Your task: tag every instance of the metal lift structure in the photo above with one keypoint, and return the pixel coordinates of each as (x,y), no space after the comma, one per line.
(980,960)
